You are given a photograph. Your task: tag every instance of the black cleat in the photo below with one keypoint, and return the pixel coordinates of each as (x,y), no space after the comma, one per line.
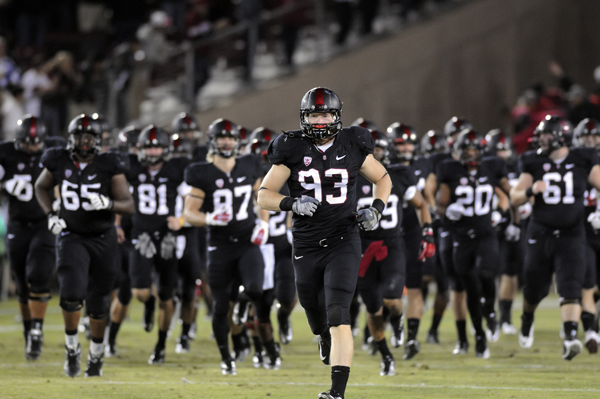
(272,363)
(492,332)
(35,339)
(411,349)
(158,356)
(258,360)
(94,366)
(285,331)
(433,338)
(461,348)
(327,395)
(228,367)
(397,338)
(387,366)
(481,348)
(149,306)
(72,362)
(110,350)
(324,348)
(183,345)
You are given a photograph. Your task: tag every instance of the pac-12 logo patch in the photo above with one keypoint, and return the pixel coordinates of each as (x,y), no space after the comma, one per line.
(219,183)
(68,173)
(307,160)
(366,189)
(142,178)
(21,166)
(546,167)
(464,181)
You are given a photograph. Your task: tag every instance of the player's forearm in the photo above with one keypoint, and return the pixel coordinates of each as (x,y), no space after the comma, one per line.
(195,218)
(382,188)
(425,214)
(518,197)
(269,200)
(123,205)
(44,198)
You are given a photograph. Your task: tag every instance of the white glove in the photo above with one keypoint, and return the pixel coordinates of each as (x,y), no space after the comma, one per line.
(455,211)
(368,218)
(525,210)
(168,246)
(260,234)
(56,205)
(496,218)
(512,233)
(219,217)
(145,245)
(594,220)
(305,205)
(100,201)
(17,187)
(56,224)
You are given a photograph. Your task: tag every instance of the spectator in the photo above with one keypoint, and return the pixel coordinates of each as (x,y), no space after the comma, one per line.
(9,72)
(579,106)
(176,11)
(153,38)
(12,110)
(35,83)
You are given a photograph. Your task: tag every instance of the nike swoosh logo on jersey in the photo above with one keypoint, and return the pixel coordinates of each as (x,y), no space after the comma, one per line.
(338,158)
(298,257)
(570,166)
(530,241)
(241,179)
(92,177)
(163,179)
(211,248)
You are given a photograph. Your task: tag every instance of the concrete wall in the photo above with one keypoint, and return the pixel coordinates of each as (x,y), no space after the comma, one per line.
(470,62)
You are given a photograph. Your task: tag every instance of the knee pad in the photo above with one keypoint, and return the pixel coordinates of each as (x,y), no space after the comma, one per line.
(98,306)
(125,296)
(336,316)
(40,297)
(71,306)
(570,301)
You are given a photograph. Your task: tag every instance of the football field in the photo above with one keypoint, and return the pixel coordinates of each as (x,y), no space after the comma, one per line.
(511,372)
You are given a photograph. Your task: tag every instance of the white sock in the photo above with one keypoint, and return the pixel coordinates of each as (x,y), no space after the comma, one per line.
(72,340)
(96,349)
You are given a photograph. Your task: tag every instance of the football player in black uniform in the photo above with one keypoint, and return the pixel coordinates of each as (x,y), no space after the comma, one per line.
(320,164)
(156,183)
(418,263)
(587,134)
(120,303)
(556,176)
(227,186)
(465,196)
(459,305)
(92,188)
(30,245)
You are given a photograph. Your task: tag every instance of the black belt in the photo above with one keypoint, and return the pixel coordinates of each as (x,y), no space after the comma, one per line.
(323,242)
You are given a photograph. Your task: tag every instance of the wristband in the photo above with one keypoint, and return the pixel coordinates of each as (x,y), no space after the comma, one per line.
(286,203)
(379,205)
(181,221)
(529,192)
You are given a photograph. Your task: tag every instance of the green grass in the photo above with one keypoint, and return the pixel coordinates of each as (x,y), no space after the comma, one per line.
(511,372)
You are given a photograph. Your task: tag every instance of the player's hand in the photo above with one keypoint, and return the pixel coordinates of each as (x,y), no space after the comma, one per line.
(305,206)
(168,246)
(538,187)
(512,233)
(173,223)
(368,218)
(56,205)
(455,211)
(55,223)
(427,243)
(16,186)
(145,245)
(219,217)
(120,234)
(100,202)
(594,220)
(525,210)
(260,234)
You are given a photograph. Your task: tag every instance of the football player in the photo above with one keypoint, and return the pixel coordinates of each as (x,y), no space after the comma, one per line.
(465,196)
(320,164)
(226,186)
(92,188)
(156,182)
(587,134)
(556,176)
(31,249)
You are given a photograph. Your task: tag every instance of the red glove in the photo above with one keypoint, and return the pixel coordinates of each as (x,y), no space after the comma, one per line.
(427,244)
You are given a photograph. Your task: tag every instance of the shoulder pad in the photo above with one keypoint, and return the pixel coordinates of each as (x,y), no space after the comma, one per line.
(52,156)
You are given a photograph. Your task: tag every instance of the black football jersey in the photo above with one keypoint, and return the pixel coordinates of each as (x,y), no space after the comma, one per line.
(435,159)
(234,190)
(19,173)
(420,168)
(328,176)
(154,195)
(390,225)
(474,191)
(76,184)
(561,205)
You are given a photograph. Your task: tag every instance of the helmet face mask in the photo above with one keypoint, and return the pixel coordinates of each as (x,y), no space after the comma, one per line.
(433,142)
(453,127)
(224,138)
(587,133)
(185,125)
(553,133)
(469,146)
(404,138)
(320,101)
(153,145)
(30,136)
(85,136)
(497,143)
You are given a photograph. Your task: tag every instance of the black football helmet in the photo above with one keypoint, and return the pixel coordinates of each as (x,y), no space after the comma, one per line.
(587,127)
(469,139)
(186,123)
(433,142)
(223,128)
(365,123)
(181,146)
(496,141)
(77,143)
(561,130)
(106,129)
(153,137)
(454,126)
(401,133)
(320,100)
(30,131)
(244,136)
(128,138)
(259,140)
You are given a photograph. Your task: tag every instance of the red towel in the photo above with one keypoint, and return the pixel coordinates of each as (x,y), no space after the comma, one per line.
(376,250)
